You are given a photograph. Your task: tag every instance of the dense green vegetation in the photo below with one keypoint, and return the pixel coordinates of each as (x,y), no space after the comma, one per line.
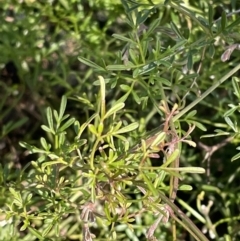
(119,120)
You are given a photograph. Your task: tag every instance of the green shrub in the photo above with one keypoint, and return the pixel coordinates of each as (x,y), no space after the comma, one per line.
(97,173)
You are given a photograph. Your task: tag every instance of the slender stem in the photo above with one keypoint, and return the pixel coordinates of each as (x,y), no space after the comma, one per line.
(140,49)
(102,96)
(94,149)
(206,93)
(185,226)
(186,11)
(198,71)
(185,219)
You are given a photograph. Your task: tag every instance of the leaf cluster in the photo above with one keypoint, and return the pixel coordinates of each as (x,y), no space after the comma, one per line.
(125,67)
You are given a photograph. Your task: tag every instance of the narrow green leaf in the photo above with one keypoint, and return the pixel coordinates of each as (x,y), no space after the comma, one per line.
(128,128)
(176,30)
(133,57)
(185,188)
(210,188)
(136,97)
(234,158)
(85,101)
(100,127)
(223,20)
(62,106)
(124,139)
(117,67)
(191,114)
(117,126)
(125,88)
(169,32)
(199,125)
(79,143)
(55,114)
(145,69)
(113,82)
(66,124)
(189,77)
(30,148)
(159,138)
(13,125)
(230,123)
(18,203)
(91,64)
(142,16)
(234,24)
(47,230)
(125,5)
(191,143)
(149,67)
(44,144)
(231,111)
(76,127)
(189,60)
(149,184)
(51,163)
(61,139)
(143,146)
(117,36)
(93,129)
(211,50)
(50,118)
(136,73)
(25,225)
(145,48)
(16,194)
(35,233)
(35,165)
(123,98)
(107,212)
(235,83)
(204,22)
(65,4)
(210,14)
(179,44)
(161,177)
(45,128)
(192,211)
(199,170)
(65,117)
(171,158)
(29,197)
(114,109)
(164,81)
(52,156)
(153,26)
(214,135)
(84,125)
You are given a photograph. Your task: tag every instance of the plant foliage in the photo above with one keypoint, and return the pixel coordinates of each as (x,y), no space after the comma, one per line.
(119,120)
